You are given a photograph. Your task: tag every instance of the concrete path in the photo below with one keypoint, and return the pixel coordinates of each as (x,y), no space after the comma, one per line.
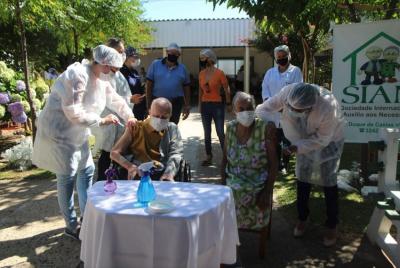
(31,226)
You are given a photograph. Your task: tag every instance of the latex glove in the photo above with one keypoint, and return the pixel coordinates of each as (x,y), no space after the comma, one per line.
(109,119)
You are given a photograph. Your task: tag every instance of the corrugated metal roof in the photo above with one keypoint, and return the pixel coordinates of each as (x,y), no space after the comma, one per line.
(202,32)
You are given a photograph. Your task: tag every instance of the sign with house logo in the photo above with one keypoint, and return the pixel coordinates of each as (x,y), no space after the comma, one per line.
(366,77)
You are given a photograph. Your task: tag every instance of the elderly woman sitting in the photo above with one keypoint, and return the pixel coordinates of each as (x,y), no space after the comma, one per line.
(250,164)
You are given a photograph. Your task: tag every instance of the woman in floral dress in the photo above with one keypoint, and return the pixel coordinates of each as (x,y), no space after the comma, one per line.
(249,164)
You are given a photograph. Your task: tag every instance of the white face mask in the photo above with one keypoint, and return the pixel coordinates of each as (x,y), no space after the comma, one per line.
(136,63)
(158,124)
(107,77)
(245,118)
(295,114)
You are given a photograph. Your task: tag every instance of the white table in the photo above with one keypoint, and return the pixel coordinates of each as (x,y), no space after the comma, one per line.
(200,232)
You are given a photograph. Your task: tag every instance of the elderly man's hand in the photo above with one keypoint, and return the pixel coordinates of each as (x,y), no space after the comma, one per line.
(185,112)
(167,177)
(263,200)
(132,171)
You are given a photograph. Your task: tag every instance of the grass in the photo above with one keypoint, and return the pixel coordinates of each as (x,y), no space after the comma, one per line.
(354,210)
(7,173)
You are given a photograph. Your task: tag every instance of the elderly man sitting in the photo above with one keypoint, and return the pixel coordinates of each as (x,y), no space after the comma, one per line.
(154,138)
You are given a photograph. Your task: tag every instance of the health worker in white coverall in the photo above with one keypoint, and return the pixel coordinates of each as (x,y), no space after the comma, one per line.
(77,99)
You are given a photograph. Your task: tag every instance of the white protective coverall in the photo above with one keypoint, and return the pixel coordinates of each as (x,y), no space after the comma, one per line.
(319,136)
(76,101)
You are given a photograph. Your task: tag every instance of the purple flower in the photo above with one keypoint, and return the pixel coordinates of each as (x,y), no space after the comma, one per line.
(20,85)
(15,108)
(110,173)
(21,118)
(4,98)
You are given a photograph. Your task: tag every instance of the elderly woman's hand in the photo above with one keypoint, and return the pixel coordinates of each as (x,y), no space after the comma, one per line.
(263,200)
(290,150)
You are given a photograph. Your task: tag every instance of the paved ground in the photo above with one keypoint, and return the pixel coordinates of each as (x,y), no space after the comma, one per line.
(31,226)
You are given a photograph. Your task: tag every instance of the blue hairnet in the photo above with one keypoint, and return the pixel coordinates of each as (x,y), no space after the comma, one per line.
(209,54)
(105,55)
(303,96)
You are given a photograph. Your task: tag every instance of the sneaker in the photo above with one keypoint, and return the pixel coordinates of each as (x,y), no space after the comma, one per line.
(330,237)
(72,234)
(300,229)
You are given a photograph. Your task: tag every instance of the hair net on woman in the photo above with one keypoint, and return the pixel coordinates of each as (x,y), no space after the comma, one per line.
(209,54)
(105,55)
(303,96)
(283,48)
(76,101)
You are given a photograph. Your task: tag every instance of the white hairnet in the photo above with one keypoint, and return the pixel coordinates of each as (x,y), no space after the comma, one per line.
(209,54)
(174,46)
(283,48)
(105,55)
(303,96)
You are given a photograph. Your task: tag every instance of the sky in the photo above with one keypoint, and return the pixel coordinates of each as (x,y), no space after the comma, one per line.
(187,9)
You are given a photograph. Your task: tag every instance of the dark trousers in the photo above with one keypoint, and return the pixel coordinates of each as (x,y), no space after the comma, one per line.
(102,165)
(140,111)
(210,111)
(283,160)
(331,202)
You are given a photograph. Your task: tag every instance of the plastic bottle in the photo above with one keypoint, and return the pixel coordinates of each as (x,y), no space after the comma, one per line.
(146,192)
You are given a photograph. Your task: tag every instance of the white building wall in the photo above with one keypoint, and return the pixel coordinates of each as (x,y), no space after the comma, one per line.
(202,33)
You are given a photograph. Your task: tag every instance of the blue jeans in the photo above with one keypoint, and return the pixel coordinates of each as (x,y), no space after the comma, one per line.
(65,194)
(210,111)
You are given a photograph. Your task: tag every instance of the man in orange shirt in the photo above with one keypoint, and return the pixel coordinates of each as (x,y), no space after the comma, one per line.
(211,79)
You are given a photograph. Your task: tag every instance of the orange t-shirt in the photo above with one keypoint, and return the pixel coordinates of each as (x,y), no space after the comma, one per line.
(211,92)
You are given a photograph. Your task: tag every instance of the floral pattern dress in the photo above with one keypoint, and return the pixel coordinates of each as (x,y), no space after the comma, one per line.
(246,172)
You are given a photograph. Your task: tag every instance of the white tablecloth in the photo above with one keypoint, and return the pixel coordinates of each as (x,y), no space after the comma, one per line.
(200,232)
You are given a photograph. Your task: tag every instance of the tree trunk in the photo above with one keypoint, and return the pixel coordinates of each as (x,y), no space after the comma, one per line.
(24,56)
(306,59)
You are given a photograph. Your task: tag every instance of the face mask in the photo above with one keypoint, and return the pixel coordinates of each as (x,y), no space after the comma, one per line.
(172,58)
(245,118)
(283,61)
(203,63)
(107,77)
(295,114)
(158,124)
(136,63)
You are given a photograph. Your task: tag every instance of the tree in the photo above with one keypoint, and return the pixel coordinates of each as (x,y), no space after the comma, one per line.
(305,23)
(89,23)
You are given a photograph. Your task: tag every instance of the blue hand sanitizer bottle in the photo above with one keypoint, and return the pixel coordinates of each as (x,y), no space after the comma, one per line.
(146,192)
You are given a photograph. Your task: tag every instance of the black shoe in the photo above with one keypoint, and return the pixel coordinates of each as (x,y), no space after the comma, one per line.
(72,234)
